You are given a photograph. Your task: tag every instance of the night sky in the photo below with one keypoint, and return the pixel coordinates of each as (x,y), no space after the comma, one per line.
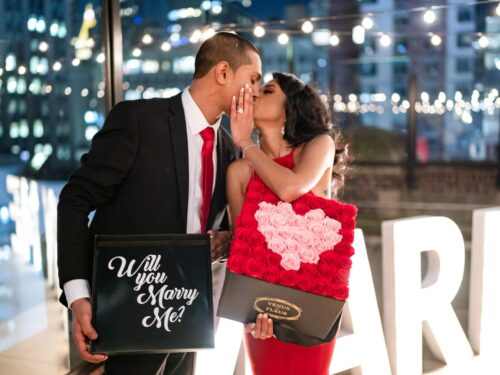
(266,9)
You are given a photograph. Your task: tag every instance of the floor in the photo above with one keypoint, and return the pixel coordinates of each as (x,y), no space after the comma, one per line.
(32,322)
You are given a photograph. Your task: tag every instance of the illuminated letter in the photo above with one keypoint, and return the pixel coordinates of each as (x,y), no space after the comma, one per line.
(365,347)
(484,305)
(408,301)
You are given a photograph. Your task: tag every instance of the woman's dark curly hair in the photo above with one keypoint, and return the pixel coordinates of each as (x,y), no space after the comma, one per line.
(306,117)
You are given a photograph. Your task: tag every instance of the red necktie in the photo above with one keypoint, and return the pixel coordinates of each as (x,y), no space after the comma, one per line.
(207,173)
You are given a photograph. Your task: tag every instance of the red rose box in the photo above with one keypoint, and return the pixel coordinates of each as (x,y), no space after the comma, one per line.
(291,261)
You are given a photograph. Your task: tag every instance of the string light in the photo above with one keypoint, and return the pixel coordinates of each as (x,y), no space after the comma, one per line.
(147,39)
(136,52)
(165,46)
(334,40)
(429,17)
(43,46)
(385,40)
(283,39)
(497,10)
(367,23)
(307,27)
(259,31)
(436,40)
(483,41)
(358,34)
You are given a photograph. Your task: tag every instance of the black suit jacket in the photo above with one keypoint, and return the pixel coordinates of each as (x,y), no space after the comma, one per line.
(136,178)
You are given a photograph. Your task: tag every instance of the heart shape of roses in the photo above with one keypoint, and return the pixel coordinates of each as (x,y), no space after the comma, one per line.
(297,238)
(255,252)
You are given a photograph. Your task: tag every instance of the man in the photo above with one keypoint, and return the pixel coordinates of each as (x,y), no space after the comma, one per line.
(143,175)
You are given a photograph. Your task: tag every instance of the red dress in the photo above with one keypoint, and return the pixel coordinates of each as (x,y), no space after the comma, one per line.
(276,357)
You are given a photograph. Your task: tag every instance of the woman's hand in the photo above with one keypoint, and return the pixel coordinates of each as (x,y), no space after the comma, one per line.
(262,328)
(242,117)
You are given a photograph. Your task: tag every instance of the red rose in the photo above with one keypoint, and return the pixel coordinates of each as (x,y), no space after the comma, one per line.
(320,286)
(347,236)
(340,276)
(327,257)
(255,238)
(343,248)
(310,270)
(272,274)
(325,269)
(300,208)
(306,283)
(239,247)
(259,252)
(253,267)
(248,220)
(288,278)
(343,262)
(242,233)
(339,291)
(236,263)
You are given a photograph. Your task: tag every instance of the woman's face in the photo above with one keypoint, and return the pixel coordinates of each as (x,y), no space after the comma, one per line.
(269,108)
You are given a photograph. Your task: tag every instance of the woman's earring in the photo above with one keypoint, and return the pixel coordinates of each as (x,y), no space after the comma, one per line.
(283,130)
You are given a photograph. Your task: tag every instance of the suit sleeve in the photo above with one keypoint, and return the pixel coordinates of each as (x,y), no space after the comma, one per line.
(102,170)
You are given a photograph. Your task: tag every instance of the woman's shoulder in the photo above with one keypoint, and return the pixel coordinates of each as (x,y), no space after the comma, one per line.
(240,169)
(320,144)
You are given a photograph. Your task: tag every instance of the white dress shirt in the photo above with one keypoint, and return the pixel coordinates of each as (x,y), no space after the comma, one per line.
(195,123)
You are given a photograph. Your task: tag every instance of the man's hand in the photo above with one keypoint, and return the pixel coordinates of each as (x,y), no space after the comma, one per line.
(219,244)
(83,331)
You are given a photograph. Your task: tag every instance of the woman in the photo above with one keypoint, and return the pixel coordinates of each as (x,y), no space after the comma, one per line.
(297,154)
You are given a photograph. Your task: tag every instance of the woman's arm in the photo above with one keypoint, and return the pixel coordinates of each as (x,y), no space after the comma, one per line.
(237,176)
(316,157)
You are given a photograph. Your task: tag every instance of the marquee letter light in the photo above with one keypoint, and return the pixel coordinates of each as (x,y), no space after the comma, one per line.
(409,301)
(364,350)
(484,301)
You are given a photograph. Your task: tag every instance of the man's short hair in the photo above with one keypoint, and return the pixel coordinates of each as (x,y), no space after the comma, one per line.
(223,46)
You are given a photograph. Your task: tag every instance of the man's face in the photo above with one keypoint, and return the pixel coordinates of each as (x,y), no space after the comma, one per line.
(247,73)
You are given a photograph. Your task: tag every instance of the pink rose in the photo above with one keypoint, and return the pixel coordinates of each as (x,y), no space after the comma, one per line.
(277,244)
(332,238)
(315,215)
(308,256)
(297,221)
(332,225)
(292,246)
(266,207)
(278,220)
(303,236)
(268,231)
(284,231)
(315,227)
(263,217)
(285,209)
(290,262)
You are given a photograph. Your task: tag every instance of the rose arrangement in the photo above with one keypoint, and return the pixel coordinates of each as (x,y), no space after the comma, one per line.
(306,244)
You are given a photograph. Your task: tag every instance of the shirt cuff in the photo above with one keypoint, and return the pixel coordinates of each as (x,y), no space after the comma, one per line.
(76,289)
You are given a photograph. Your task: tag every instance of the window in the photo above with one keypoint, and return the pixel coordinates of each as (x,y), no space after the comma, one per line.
(464,15)
(464,40)
(463,65)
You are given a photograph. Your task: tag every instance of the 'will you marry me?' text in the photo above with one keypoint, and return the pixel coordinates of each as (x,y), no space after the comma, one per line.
(157,294)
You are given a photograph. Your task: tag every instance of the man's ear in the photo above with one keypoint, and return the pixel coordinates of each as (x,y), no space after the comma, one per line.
(222,72)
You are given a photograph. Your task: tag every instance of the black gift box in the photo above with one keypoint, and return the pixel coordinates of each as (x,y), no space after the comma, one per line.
(299,317)
(152,294)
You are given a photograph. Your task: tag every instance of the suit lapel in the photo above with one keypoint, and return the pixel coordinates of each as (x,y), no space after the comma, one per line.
(178,133)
